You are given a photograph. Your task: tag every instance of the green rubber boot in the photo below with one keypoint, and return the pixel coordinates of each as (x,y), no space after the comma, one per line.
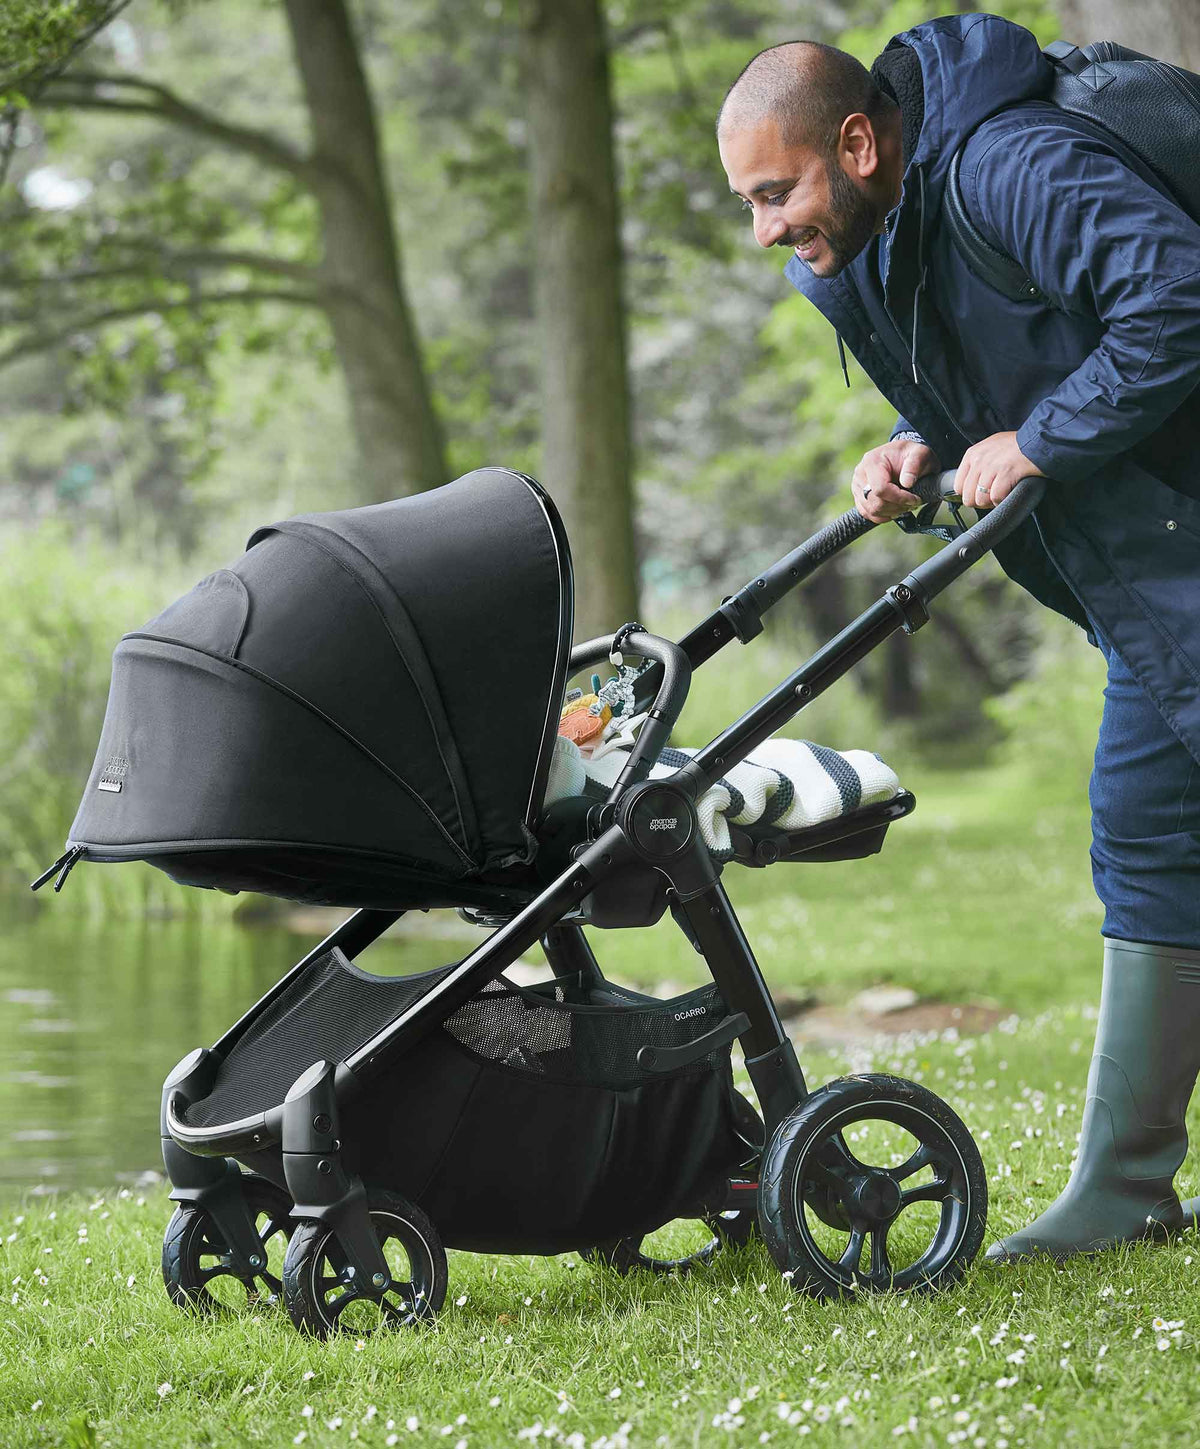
(1144,1066)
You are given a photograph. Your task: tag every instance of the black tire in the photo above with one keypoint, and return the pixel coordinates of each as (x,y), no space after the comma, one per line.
(321,1301)
(195,1255)
(809,1168)
(624,1255)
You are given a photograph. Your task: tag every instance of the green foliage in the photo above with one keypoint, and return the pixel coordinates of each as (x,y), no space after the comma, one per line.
(181,427)
(65,602)
(36,38)
(1050,718)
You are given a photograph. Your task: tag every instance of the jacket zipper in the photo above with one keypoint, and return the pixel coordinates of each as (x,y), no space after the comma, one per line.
(919,374)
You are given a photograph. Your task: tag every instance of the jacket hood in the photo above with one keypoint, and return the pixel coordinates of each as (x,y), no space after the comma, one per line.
(971,67)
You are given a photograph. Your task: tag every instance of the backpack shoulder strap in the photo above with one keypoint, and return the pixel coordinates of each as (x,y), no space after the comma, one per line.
(989,263)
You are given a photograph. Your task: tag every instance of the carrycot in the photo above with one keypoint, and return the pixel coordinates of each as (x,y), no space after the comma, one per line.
(359,712)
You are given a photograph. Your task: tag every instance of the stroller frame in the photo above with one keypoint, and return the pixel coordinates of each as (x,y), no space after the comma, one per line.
(646,824)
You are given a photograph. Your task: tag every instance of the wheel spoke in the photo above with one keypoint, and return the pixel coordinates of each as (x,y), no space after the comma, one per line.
(404,1291)
(881,1264)
(832,1165)
(271,1227)
(922,1157)
(849,1259)
(338,1304)
(329,1282)
(843,1157)
(936,1191)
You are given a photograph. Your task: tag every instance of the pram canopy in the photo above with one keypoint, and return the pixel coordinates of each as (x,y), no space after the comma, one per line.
(359,708)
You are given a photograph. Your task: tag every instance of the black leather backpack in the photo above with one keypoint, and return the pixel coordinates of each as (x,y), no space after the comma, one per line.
(1150,107)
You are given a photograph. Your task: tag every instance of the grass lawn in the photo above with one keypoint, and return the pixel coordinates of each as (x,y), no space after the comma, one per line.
(1099,1353)
(982,895)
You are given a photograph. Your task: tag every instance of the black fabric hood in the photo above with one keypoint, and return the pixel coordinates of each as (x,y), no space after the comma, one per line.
(381,683)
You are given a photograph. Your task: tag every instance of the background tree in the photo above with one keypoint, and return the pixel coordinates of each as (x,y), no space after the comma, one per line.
(175,252)
(36,41)
(579,304)
(1166,29)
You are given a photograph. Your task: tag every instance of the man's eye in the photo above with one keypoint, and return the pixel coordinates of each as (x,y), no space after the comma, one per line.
(778,199)
(747,205)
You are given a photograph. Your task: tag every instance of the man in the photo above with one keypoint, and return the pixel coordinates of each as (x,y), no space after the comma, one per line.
(1086,383)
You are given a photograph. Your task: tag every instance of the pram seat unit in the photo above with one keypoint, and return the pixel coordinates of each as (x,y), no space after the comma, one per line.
(308,723)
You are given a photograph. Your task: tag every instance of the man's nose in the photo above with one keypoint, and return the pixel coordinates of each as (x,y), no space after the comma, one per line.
(768,228)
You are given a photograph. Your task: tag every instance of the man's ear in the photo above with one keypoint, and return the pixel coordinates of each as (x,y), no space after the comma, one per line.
(857,148)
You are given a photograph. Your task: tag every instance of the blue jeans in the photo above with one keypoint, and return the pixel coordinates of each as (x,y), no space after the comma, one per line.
(1145,797)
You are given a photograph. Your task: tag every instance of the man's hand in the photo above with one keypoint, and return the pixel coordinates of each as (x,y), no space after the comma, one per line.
(883,475)
(990,470)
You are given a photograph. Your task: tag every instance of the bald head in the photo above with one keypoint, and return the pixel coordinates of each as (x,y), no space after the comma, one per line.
(807,89)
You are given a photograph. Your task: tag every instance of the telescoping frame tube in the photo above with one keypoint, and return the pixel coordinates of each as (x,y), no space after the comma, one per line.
(904,606)
(739,616)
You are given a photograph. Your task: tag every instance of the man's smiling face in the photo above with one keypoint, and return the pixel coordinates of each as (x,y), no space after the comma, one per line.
(799,198)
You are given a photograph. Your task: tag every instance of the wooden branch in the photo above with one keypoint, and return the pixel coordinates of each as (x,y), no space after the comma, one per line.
(159,262)
(44,342)
(80,90)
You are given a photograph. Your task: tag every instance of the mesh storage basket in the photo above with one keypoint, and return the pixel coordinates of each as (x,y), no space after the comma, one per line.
(524,1122)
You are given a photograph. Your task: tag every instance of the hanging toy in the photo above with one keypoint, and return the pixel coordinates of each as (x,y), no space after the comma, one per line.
(618,693)
(584,719)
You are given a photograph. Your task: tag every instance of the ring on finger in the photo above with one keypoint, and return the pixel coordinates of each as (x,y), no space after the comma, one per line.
(866,493)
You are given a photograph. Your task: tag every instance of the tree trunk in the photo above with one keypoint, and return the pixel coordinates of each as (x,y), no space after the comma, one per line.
(580,318)
(899,694)
(399,440)
(1166,29)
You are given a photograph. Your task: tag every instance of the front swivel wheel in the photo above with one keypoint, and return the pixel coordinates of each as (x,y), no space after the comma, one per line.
(197,1264)
(322,1294)
(913,1186)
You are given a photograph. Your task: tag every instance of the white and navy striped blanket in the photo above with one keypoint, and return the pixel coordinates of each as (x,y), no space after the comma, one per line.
(789,784)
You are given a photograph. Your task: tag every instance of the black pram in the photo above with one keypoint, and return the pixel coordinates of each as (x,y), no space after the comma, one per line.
(310,723)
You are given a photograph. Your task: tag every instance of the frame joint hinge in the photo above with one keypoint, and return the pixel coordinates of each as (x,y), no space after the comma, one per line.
(908,603)
(744,615)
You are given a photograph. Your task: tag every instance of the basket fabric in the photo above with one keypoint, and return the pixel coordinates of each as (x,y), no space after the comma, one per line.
(523,1123)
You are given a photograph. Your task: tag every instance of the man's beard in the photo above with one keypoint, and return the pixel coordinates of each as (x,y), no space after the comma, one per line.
(854,218)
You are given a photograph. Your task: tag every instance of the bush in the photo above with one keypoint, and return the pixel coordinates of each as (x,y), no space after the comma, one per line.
(65,605)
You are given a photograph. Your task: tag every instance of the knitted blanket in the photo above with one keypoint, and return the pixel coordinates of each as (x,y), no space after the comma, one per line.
(785,783)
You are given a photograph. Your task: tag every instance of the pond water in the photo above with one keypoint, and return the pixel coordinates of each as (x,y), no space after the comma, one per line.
(94,1013)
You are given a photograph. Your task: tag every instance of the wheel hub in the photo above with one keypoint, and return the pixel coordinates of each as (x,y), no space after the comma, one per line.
(876,1196)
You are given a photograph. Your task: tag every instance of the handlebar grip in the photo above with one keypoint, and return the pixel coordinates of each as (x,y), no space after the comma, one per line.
(935,487)
(931,577)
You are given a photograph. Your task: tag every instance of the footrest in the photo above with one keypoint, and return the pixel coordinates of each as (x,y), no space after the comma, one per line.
(849,837)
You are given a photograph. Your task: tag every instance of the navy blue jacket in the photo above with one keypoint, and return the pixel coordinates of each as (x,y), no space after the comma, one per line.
(1096,383)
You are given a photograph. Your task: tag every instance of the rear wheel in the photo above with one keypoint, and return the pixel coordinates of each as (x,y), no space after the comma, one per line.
(322,1295)
(196,1263)
(879,1160)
